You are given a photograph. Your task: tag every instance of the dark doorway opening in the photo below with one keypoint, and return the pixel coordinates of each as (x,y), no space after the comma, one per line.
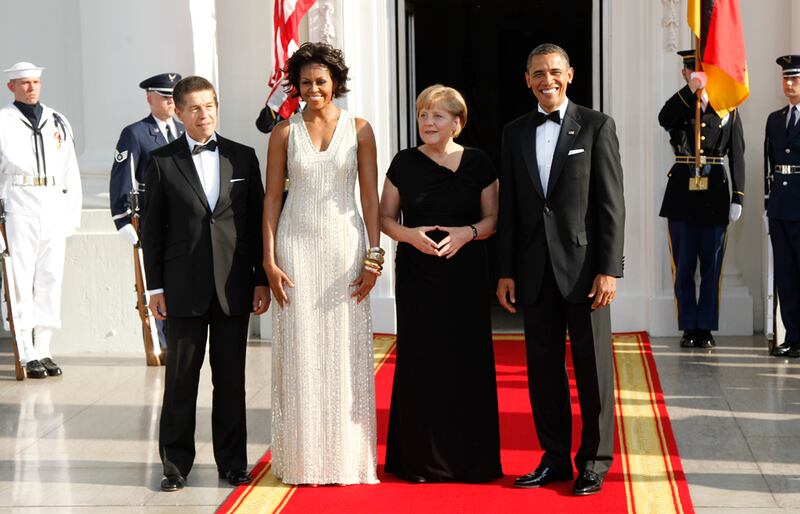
(480,47)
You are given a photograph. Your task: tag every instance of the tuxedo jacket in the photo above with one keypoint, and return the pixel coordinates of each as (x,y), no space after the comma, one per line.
(782,192)
(135,143)
(711,206)
(579,221)
(193,252)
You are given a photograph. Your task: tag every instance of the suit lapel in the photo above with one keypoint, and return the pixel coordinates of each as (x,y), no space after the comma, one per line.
(566,138)
(185,164)
(225,175)
(528,142)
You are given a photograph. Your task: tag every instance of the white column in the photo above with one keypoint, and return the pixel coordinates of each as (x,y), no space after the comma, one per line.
(632,76)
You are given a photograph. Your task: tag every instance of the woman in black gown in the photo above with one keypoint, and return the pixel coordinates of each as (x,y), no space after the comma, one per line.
(443,423)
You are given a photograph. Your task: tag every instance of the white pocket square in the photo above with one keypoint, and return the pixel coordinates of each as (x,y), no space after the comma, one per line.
(576,151)
(240,179)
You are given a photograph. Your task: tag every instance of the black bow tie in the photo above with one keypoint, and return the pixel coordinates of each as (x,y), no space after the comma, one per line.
(553,116)
(211,146)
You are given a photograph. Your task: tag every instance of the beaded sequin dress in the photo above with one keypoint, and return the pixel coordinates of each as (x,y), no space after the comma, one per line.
(323,390)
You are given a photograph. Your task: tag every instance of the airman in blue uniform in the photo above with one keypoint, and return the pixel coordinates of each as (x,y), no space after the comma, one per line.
(782,202)
(133,151)
(698,210)
(134,146)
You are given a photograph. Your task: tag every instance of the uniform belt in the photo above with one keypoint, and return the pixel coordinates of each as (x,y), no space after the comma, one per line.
(787,169)
(689,159)
(27,180)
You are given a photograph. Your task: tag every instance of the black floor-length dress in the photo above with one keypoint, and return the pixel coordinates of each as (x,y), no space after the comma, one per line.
(443,423)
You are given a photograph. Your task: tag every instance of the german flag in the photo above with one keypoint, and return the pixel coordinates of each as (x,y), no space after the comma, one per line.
(718,25)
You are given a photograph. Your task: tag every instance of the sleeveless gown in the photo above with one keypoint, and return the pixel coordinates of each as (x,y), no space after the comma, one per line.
(323,390)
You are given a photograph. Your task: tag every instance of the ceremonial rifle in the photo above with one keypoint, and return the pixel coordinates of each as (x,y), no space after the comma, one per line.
(8,290)
(152,348)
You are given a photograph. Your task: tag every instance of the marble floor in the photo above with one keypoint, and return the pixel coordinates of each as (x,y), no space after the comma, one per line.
(86,442)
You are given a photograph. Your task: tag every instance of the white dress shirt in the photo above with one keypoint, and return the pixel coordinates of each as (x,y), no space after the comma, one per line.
(162,126)
(207,165)
(546,139)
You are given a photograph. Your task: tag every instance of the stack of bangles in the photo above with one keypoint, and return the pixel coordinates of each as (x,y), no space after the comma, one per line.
(374,261)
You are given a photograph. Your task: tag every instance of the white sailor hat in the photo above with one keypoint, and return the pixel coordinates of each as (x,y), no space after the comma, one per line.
(24,70)
(790,65)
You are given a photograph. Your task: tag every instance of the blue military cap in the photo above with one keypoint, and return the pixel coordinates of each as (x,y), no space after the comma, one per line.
(689,58)
(161,84)
(790,65)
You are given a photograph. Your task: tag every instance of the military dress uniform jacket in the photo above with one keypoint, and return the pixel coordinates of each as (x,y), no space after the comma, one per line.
(782,191)
(136,142)
(39,174)
(711,206)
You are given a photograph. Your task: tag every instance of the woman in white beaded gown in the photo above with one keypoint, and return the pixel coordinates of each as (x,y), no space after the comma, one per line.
(321,272)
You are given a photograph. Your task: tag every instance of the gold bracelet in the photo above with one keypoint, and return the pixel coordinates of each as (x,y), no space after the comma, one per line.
(373,270)
(369,262)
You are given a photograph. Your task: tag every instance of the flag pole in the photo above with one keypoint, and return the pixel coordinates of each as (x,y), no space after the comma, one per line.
(699,94)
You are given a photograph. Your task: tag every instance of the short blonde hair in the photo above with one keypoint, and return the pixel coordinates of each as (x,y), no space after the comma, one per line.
(447,98)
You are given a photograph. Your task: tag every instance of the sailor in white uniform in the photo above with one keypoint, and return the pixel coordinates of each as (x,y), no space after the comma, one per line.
(41,191)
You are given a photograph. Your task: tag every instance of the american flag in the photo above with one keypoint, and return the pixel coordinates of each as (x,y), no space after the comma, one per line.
(286,19)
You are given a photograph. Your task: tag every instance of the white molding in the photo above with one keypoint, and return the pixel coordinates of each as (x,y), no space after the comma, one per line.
(670,22)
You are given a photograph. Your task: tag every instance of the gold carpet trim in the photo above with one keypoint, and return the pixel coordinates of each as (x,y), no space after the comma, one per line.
(650,484)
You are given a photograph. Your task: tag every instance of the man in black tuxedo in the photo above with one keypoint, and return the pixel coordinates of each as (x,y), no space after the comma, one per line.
(202,240)
(560,240)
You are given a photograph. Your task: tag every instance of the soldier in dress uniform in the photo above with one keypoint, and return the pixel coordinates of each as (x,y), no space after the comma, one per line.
(41,190)
(782,202)
(698,210)
(135,143)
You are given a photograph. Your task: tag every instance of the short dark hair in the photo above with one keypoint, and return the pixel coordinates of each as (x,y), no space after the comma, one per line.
(316,53)
(191,84)
(544,49)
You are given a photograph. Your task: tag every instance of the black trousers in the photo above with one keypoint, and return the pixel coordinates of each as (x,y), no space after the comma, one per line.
(546,322)
(785,237)
(186,344)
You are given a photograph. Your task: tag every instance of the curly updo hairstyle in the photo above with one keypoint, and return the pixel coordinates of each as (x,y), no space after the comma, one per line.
(316,53)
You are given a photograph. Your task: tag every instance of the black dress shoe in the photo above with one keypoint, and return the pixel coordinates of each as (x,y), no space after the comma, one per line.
(704,340)
(782,349)
(542,476)
(787,349)
(34,369)
(588,482)
(236,477)
(52,368)
(171,483)
(688,339)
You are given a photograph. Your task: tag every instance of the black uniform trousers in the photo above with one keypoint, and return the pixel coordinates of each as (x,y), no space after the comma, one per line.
(186,344)
(546,322)
(785,237)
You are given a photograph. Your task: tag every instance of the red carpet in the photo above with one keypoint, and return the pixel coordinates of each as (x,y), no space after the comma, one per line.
(646,475)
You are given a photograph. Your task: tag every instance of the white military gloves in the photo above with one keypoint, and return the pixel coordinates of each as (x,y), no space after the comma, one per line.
(700,77)
(735,212)
(129,234)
